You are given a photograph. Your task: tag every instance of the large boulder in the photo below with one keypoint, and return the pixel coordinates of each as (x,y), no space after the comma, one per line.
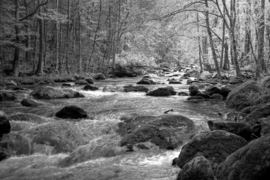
(239,97)
(213,145)
(71,112)
(29,103)
(131,88)
(198,168)
(251,162)
(164,91)
(165,131)
(48,92)
(56,136)
(238,128)
(4,124)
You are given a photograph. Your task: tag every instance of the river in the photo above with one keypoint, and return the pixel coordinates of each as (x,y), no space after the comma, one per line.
(107,107)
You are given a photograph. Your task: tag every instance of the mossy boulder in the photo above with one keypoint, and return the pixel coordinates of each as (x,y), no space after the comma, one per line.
(239,97)
(198,168)
(61,136)
(165,131)
(262,111)
(251,162)
(214,146)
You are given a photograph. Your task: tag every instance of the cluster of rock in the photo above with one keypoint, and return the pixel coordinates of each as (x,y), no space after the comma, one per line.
(67,81)
(233,150)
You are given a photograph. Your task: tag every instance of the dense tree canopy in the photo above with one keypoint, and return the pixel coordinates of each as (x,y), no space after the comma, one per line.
(65,36)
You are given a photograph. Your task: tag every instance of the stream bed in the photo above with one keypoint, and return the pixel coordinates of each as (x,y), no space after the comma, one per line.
(107,160)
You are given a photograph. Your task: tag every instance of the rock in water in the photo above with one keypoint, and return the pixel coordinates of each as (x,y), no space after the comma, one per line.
(29,103)
(48,92)
(198,168)
(213,145)
(165,91)
(71,112)
(135,89)
(251,162)
(146,80)
(165,131)
(4,124)
(90,88)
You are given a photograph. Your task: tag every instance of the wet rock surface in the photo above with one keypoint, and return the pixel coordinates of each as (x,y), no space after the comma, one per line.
(48,92)
(166,131)
(71,112)
(197,168)
(214,146)
(165,91)
(248,163)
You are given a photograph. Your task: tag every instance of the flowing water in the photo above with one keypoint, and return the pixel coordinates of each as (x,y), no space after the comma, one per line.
(101,158)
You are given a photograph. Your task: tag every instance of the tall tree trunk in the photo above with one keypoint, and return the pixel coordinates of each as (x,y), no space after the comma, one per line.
(233,39)
(211,40)
(223,41)
(28,42)
(95,38)
(199,43)
(67,41)
(261,63)
(57,39)
(41,46)
(16,59)
(80,39)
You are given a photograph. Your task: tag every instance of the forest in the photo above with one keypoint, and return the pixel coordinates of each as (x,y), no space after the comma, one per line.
(78,36)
